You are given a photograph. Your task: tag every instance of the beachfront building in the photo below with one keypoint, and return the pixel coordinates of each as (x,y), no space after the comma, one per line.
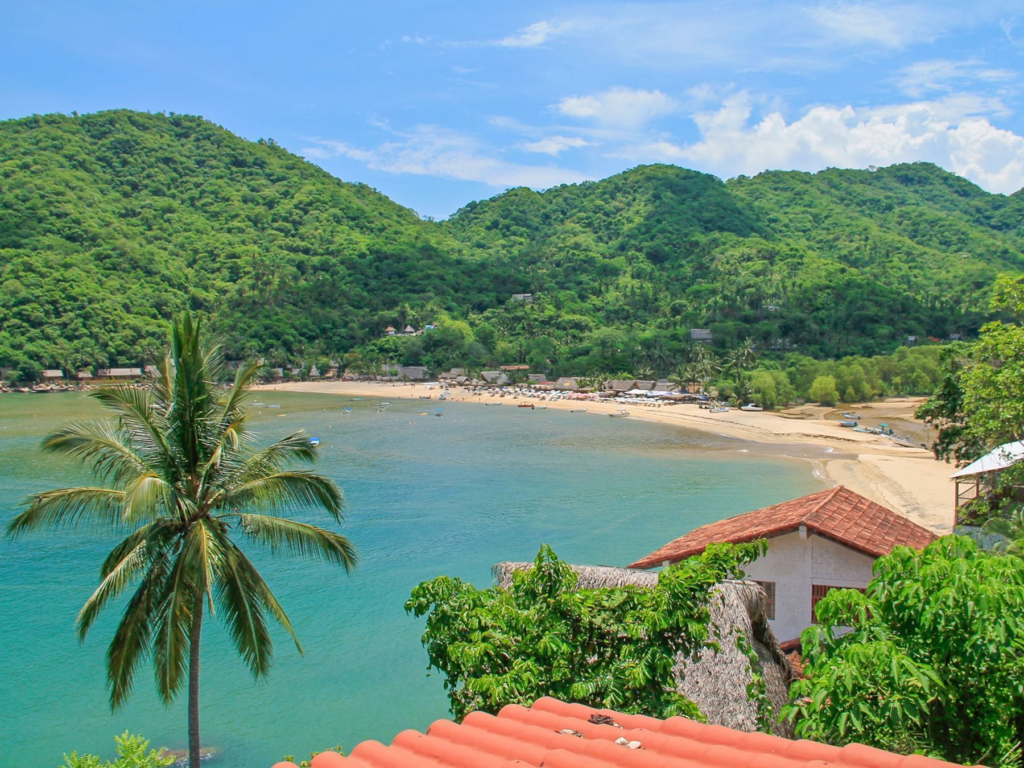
(495,378)
(980,478)
(827,540)
(118,374)
(53,375)
(567,384)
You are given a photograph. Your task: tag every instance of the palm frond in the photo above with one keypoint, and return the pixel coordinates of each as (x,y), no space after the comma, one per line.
(244,378)
(101,444)
(293,448)
(68,506)
(131,640)
(300,539)
(239,595)
(117,578)
(173,621)
(284,489)
(137,408)
(145,497)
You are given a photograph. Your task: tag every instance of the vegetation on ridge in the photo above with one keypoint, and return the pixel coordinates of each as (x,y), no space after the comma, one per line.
(112,221)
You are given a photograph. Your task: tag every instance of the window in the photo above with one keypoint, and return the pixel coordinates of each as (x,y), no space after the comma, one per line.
(769,598)
(818,591)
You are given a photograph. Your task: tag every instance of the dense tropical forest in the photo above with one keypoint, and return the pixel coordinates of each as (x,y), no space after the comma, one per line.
(111,221)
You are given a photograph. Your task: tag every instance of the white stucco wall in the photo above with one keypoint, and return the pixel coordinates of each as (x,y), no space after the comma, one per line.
(794,563)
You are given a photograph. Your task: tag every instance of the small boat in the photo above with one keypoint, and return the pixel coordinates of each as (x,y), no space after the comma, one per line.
(847,423)
(526,405)
(720,409)
(346,409)
(851,416)
(426,397)
(540,407)
(444,396)
(274,405)
(577,410)
(258,404)
(314,441)
(619,414)
(751,407)
(488,405)
(439,411)
(355,399)
(383,404)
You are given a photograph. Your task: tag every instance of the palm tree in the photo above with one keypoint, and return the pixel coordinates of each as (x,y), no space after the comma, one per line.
(179,472)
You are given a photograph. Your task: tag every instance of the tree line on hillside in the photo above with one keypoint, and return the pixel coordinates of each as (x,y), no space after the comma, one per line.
(111,222)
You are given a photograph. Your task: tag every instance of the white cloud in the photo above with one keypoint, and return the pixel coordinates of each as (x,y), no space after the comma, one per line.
(535,34)
(554,145)
(919,78)
(887,25)
(950,133)
(619,107)
(429,150)
(417,39)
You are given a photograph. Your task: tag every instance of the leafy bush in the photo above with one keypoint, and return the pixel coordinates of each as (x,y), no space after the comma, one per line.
(131,753)
(934,662)
(612,647)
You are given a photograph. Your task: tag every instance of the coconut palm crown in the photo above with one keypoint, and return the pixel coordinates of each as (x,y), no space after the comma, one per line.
(179,473)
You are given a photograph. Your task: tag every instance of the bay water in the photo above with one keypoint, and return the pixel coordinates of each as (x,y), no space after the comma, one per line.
(425,496)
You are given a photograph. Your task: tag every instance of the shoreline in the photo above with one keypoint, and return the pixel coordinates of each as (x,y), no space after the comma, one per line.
(904,478)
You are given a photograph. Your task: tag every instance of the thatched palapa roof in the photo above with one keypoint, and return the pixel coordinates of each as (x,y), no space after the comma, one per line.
(715,680)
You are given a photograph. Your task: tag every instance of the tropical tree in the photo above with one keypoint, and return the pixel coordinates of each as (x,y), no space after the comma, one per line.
(179,471)
(933,660)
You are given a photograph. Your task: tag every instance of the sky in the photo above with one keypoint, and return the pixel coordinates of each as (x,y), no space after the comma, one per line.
(438,103)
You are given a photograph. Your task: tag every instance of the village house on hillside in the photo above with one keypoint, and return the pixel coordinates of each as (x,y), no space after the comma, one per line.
(118,374)
(701,335)
(827,540)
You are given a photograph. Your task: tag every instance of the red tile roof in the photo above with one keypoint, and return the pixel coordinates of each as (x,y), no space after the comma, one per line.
(553,734)
(837,513)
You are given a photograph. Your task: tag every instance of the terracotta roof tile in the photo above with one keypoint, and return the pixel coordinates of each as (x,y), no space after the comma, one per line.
(553,734)
(837,513)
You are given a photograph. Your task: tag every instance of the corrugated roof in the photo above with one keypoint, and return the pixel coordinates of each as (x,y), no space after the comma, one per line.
(837,513)
(553,734)
(997,459)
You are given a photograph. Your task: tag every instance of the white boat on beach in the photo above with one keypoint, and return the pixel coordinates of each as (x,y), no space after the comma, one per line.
(488,405)
(751,407)
(721,409)
(577,410)
(619,414)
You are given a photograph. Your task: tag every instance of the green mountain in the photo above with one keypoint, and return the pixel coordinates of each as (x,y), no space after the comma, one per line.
(111,221)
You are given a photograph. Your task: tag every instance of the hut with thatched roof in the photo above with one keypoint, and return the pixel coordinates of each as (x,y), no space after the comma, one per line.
(715,680)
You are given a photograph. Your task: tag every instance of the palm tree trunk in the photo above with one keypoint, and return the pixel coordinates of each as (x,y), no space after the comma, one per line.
(193,682)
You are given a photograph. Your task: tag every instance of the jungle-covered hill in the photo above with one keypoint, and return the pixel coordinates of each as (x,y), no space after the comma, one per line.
(110,221)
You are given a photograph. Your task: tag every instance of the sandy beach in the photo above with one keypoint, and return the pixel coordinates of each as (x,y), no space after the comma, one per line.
(904,478)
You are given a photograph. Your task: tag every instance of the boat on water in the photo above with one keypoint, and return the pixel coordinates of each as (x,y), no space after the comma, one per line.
(850,416)
(274,405)
(540,407)
(621,413)
(526,405)
(577,410)
(385,403)
(314,441)
(355,399)
(488,405)
(439,411)
(751,407)
(847,423)
(258,404)
(346,409)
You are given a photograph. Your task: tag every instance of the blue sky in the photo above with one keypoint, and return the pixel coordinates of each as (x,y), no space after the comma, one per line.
(439,103)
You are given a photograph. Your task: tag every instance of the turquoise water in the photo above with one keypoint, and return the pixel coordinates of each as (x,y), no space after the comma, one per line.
(426,496)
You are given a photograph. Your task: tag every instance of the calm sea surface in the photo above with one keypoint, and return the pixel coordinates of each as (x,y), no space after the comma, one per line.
(426,496)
